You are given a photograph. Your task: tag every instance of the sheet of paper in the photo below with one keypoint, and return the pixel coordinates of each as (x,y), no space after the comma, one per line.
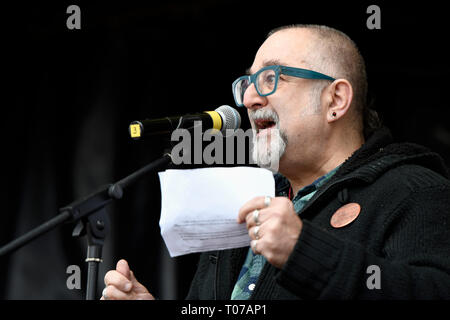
(199,207)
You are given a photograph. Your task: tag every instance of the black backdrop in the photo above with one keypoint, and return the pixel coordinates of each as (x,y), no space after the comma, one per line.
(70,95)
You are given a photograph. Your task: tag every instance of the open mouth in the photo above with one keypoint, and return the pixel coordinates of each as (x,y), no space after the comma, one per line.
(263,124)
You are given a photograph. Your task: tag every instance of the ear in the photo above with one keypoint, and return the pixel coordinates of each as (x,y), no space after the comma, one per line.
(339,97)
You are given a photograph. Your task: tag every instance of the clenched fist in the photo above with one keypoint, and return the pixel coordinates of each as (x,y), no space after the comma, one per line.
(121,284)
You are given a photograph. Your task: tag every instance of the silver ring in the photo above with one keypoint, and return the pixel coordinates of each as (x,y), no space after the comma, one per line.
(256,216)
(267,201)
(104,294)
(255,232)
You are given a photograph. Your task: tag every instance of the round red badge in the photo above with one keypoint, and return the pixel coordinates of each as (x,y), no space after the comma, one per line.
(345,215)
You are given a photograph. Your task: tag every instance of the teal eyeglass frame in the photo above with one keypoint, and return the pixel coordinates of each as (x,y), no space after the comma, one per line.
(289,71)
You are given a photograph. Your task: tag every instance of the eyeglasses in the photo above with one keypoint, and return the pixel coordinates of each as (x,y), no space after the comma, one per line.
(266,80)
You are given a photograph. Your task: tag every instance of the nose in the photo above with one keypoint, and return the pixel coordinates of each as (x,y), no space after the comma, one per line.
(252,100)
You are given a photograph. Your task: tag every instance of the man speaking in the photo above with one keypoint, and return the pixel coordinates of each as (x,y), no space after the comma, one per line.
(356,215)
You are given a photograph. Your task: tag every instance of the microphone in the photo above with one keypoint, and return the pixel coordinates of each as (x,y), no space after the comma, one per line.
(223,118)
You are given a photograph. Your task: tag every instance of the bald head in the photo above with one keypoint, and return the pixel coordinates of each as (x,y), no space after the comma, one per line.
(333,53)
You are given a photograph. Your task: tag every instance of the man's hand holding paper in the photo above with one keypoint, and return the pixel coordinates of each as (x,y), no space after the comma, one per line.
(199,207)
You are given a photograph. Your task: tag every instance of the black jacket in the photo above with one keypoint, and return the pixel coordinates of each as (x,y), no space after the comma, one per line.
(403,229)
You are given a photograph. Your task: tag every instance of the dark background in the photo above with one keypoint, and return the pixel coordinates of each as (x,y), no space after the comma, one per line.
(69,96)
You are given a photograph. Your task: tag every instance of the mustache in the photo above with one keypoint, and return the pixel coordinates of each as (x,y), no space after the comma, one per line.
(264,114)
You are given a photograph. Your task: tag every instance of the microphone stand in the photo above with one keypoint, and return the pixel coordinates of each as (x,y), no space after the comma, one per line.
(92,220)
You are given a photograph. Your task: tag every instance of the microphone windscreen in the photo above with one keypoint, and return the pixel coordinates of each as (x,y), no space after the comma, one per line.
(231,118)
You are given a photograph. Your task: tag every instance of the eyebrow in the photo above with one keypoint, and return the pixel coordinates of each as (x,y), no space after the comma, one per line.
(271,62)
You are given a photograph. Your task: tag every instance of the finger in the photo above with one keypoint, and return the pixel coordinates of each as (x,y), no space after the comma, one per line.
(253,245)
(134,280)
(267,201)
(255,233)
(263,215)
(115,278)
(113,293)
(123,268)
(249,206)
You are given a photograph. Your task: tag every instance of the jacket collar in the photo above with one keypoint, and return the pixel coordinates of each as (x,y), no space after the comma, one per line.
(380,153)
(377,155)
(375,143)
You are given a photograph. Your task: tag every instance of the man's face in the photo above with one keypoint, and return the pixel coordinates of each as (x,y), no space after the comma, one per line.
(297,113)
